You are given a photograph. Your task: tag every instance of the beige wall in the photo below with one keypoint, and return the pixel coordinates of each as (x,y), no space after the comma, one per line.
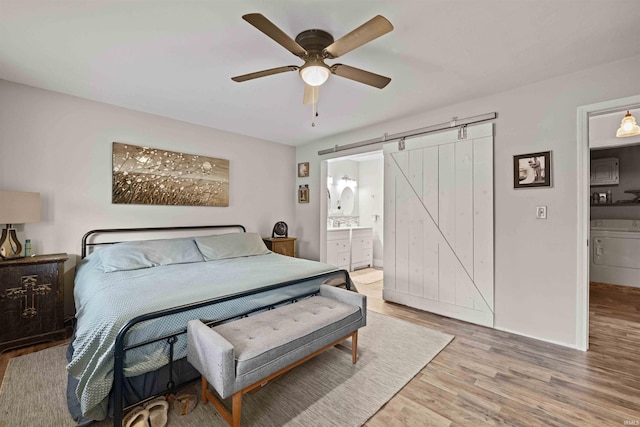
(60,146)
(535,260)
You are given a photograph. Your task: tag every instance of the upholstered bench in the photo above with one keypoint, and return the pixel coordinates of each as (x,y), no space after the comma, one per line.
(240,356)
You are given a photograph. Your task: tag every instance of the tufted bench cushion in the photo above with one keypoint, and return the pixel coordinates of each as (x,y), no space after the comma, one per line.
(259,341)
(235,356)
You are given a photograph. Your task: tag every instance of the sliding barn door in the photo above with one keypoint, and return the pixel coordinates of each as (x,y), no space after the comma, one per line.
(438,224)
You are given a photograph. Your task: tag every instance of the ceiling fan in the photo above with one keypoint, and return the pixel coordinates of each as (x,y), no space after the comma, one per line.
(314,46)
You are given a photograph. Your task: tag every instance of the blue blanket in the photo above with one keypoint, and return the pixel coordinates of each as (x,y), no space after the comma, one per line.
(105,302)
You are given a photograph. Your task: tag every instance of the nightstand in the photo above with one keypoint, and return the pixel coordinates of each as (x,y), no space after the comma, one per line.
(281,245)
(31,300)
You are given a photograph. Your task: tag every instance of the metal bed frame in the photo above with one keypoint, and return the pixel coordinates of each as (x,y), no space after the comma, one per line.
(121,347)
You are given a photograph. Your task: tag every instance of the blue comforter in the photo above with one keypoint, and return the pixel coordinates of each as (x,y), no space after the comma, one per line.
(105,302)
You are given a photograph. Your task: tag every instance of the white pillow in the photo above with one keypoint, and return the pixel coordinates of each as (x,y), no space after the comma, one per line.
(148,253)
(233,245)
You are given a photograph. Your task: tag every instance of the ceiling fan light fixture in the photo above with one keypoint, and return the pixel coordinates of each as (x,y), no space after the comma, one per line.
(628,126)
(314,73)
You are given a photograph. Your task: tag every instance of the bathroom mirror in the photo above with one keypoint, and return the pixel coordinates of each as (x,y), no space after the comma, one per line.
(348,201)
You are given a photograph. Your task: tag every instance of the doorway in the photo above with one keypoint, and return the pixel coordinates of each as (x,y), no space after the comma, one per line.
(355,218)
(584,244)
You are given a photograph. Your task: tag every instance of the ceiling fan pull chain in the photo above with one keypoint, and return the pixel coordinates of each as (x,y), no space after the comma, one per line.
(313,114)
(314,111)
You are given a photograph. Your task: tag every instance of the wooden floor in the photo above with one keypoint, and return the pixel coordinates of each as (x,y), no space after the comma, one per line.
(488,377)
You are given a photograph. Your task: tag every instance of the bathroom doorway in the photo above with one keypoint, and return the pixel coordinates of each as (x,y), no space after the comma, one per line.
(355,219)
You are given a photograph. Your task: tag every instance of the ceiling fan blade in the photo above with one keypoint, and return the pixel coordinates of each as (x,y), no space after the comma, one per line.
(370,30)
(270,29)
(264,73)
(310,94)
(362,76)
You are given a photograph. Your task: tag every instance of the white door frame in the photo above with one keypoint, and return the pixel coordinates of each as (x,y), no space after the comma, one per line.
(324,173)
(583,169)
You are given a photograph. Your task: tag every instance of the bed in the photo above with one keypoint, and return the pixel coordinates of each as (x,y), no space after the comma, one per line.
(134,299)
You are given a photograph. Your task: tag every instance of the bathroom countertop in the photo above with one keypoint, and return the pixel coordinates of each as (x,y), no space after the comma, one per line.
(355,227)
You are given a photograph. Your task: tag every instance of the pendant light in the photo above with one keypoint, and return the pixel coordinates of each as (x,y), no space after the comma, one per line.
(628,126)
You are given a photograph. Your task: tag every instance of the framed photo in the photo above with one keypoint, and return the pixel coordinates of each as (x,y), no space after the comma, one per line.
(303,169)
(532,170)
(303,194)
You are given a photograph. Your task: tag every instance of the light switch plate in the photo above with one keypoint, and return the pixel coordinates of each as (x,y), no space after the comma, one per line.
(541,212)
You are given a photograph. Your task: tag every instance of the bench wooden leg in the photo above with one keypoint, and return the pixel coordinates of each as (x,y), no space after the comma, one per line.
(236,408)
(207,396)
(354,347)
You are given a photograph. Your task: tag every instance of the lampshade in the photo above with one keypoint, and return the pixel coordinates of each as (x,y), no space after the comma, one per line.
(19,207)
(314,73)
(628,126)
(16,207)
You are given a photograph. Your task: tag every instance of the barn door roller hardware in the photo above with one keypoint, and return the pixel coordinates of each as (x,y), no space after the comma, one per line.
(455,122)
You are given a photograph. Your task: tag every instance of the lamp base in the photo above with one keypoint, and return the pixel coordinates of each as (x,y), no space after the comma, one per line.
(10,246)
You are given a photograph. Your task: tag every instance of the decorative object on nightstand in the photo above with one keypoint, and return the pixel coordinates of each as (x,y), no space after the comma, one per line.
(281,245)
(16,207)
(31,300)
(280,229)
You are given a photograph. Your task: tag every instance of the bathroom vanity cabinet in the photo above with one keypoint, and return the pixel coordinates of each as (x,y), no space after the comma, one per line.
(338,248)
(361,248)
(350,248)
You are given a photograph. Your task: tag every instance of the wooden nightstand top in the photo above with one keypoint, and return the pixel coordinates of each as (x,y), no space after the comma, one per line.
(281,245)
(36,259)
(279,239)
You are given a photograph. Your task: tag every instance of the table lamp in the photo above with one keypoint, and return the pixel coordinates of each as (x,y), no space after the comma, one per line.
(16,207)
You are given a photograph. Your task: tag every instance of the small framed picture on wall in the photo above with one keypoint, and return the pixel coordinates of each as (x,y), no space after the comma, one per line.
(532,170)
(303,194)
(303,170)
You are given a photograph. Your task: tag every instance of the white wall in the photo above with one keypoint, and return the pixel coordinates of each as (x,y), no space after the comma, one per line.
(60,146)
(371,185)
(535,260)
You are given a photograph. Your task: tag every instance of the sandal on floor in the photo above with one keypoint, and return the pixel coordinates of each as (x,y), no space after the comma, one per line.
(137,417)
(158,412)
(185,401)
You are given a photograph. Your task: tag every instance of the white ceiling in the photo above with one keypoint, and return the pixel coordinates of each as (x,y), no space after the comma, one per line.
(175,58)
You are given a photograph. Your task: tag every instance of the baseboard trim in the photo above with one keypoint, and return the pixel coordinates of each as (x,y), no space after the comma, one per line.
(563,344)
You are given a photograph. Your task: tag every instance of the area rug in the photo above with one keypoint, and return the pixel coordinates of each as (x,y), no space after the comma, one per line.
(325,391)
(368,277)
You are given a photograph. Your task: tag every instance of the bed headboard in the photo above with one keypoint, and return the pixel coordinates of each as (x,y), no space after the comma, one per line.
(110,236)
